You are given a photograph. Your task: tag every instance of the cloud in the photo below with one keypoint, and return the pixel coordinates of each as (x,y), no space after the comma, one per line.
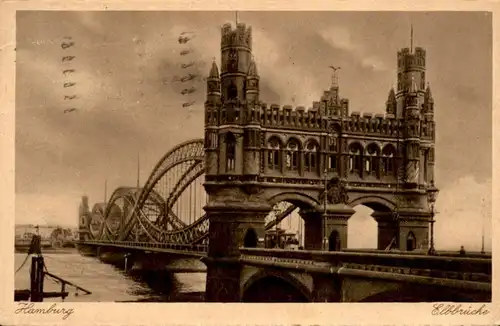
(464,208)
(129,104)
(295,83)
(340,38)
(33,209)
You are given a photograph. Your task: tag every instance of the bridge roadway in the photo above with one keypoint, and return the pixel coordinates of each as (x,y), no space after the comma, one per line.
(268,275)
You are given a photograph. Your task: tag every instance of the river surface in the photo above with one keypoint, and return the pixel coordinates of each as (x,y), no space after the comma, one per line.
(108,283)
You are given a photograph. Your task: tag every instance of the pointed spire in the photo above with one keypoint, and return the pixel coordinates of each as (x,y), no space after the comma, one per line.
(428,93)
(392,96)
(252,70)
(411,39)
(214,71)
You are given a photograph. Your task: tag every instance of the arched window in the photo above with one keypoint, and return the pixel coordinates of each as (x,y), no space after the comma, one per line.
(388,159)
(334,241)
(355,158)
(332,155)
(311,156)
(372,159)
(230,152)
(273,154)
(232,91)
(292,155)
(411,242)
(250,240)
(426,165)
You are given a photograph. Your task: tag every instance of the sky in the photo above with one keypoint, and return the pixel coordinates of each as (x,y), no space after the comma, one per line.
(127,102)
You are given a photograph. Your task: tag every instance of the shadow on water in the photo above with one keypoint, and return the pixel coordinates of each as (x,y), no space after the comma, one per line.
(161,286)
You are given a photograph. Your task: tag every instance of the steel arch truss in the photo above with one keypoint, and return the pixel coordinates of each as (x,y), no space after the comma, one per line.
(147,213)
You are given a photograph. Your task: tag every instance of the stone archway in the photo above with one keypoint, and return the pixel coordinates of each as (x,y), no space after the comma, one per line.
(274,287)
(387,230)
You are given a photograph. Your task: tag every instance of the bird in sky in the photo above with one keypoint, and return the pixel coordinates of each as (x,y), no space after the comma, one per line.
(334,68)
(69,84)
(69,110)
(69,97)
(185,52)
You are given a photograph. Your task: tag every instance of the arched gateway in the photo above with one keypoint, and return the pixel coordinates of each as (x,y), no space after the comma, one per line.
(257,155)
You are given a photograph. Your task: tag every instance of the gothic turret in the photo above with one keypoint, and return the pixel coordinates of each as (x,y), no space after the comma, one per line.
(428,103)
(391,102)
(252,85)
(411,77)
(213,86)
(236,56)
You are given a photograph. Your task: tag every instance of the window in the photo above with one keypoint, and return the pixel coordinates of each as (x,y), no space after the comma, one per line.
(411,242)
(332,153)
(273,154)
(292,155)
(388,157)
(426,165)
(355,158)
(311,156)
(230,151)
(232,91)
(372,159)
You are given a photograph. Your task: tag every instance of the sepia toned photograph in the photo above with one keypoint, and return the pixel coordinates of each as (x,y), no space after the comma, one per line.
(253,156)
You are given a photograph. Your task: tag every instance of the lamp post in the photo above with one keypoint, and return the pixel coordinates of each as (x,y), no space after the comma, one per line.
(276,211)
(432,193)
(325,240)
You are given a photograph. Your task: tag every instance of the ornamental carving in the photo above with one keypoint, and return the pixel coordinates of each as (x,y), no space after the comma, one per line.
(336,192)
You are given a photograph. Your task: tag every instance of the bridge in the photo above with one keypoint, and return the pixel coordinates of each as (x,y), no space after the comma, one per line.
(214,199)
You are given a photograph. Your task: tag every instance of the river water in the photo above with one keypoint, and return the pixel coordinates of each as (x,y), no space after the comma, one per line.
(108,283)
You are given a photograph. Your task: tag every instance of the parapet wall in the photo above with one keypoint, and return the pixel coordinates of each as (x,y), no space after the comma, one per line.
(314,119)
(241,36)
(299,118)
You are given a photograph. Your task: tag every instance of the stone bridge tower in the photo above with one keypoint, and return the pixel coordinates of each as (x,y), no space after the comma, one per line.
(258,155)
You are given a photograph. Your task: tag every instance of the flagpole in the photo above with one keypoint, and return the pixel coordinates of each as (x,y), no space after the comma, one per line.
(138,169)
(105,191)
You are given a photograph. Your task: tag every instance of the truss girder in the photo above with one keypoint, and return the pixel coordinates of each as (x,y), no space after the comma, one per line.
(150,212)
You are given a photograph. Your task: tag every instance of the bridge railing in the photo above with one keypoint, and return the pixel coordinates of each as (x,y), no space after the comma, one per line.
(445,253)
(466,268)
(145,245)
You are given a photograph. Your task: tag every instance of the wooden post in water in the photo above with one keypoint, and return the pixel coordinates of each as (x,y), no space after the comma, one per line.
(37,279)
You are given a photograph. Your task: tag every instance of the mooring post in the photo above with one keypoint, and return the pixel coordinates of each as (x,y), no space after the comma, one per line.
(37,279)
(126,258)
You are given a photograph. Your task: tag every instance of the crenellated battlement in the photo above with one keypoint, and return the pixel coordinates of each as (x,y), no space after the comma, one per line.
(240,36)
(411,60)
(368,123)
